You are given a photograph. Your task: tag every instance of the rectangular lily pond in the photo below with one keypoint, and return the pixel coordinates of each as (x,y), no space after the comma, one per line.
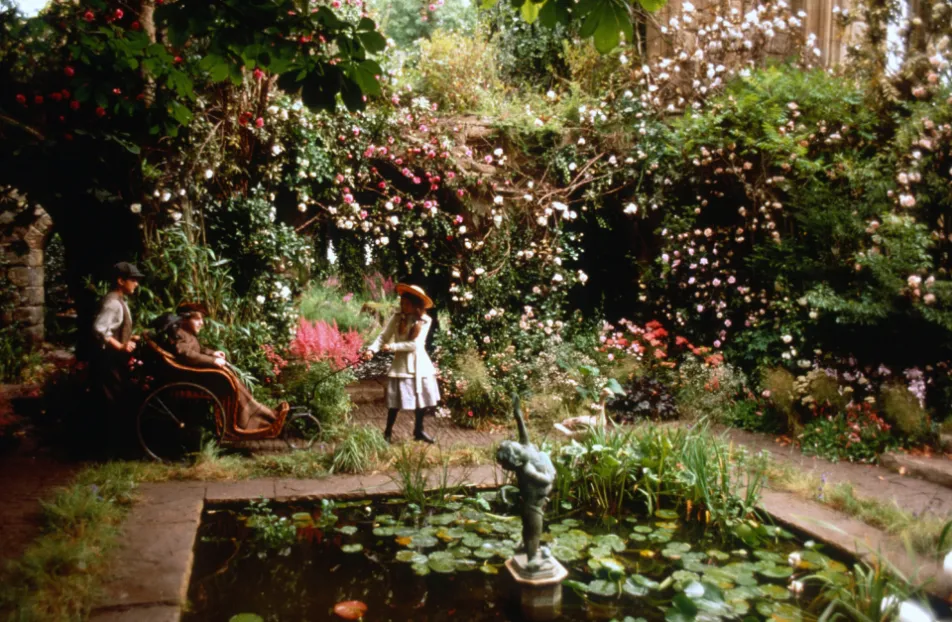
(389,560)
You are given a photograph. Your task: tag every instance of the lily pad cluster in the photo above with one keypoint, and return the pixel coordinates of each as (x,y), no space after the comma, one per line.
(633,564)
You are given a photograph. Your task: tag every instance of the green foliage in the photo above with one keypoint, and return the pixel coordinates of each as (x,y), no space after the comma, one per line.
(58,576)
(328,303)
(407,21)
(457,72)
(361,447)
(709,391)
(659,468)
(527,53)
(318,387)
(604,21)
(858,435)
(271,531)
(902,410)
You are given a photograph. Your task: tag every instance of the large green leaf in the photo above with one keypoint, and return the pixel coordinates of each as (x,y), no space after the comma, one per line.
(606,21)
(530,11)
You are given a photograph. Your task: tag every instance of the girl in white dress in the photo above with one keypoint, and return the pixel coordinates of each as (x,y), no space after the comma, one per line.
(411,381)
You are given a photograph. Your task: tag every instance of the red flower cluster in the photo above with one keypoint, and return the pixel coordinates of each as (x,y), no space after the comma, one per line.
(320,341)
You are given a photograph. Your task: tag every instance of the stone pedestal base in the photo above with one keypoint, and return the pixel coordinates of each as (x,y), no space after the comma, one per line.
(541,589)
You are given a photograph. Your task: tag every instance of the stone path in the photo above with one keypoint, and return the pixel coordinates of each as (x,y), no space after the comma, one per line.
(871,481)
(368,396)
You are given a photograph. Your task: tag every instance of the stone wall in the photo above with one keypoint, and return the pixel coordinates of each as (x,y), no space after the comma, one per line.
(24,230)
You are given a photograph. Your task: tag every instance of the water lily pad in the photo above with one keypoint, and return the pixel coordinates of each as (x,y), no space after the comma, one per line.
(406,532)
(352,548)
(643,529)
(599,587)
(461,552)
(466,564)
(489,569)
(558,528)
(718,555)
(348,530)
(666,514)
(661,536)
(599,551)
(385,519)
(683,578)
(246,617)
(775,592)
(443,519)
(571,522)
(350,609)
(300,519)
(383,532)
(421,569)
(610,541)
(768,556)
(776,572)
(565,554)
(638,537)
(445,565)
(423,541)
(632,588)
(606,567)
(411,557)
(472,541)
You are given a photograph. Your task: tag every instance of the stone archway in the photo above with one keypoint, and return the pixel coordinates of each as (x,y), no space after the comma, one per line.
(24,231)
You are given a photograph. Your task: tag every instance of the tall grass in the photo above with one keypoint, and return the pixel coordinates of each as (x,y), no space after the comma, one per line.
(687,470)
(359,450)
(59,575)
(330,304)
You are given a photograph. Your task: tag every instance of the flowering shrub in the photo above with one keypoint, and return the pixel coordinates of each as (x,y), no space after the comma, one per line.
(320,341)
(858,435)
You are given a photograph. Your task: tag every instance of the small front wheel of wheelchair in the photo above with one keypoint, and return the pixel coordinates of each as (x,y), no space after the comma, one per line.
(301,430)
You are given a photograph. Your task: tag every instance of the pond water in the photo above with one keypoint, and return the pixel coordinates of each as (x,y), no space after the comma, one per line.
(297,561)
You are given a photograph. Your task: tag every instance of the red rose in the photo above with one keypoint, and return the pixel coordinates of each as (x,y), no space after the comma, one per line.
(89,16)
(100,111)
(258,74)
(119,13)
(65,93)
(38,99)
(259,122)
(69,71)
(74,105)
(56,97)
(21,98)
(177,60)
(135,25)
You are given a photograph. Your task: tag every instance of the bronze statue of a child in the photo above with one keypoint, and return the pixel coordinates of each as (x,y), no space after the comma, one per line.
(535,474)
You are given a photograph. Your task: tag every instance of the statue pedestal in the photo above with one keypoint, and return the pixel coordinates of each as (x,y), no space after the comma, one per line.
(540,589)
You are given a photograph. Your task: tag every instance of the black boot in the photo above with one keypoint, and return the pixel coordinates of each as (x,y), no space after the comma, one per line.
(391,417)
(418,433)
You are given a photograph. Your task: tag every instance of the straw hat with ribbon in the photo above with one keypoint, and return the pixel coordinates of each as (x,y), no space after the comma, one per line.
(415,291)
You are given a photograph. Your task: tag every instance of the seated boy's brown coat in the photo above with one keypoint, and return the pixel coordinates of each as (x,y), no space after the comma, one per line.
(189,351)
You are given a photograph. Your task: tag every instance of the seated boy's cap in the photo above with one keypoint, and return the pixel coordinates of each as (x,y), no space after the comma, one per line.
(126,270)
(188,308)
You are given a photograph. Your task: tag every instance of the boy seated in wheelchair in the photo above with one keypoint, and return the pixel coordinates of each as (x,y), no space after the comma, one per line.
(180,336)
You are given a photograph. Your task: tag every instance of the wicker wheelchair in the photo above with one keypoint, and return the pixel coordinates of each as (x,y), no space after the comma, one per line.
(185,404)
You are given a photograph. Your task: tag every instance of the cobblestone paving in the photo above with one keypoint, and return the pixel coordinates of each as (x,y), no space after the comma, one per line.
(368,396)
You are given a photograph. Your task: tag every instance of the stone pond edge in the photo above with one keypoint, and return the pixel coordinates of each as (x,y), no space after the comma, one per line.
(151,569)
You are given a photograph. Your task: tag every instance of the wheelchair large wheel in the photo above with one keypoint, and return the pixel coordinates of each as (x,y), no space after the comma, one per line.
(301,430)
(175,419)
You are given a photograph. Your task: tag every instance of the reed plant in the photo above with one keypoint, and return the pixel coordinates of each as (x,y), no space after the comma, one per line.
(360,449)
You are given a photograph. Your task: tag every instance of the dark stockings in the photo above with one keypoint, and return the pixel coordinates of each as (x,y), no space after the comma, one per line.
(418,433)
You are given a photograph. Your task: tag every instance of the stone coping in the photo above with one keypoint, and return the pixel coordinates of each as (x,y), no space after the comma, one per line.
(152,566)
